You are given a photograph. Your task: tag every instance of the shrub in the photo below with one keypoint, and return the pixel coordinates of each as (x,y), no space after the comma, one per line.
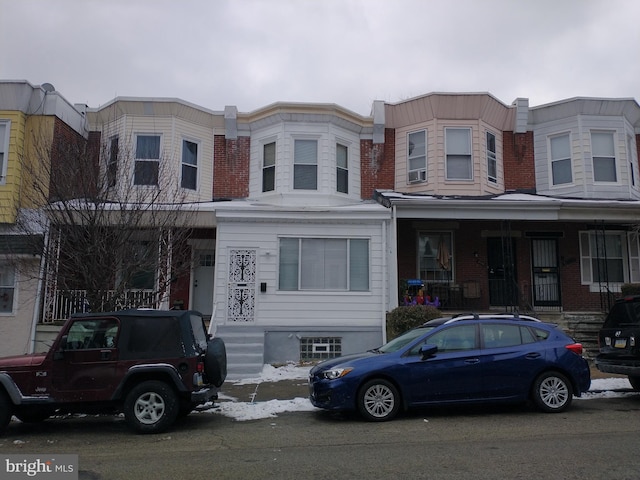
(401,319)
(630,289)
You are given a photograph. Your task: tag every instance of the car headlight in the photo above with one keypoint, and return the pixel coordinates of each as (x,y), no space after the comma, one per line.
(336,373)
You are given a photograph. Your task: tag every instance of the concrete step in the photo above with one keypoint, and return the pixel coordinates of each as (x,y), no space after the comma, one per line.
(245,350)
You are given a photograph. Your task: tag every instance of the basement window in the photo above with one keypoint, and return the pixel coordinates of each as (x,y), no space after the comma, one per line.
(320,348)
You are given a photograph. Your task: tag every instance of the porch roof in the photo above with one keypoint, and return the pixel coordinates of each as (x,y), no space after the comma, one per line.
(510,206)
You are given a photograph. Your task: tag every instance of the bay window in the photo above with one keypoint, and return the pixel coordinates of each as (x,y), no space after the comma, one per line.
(604,157)
(147,160)
(560,148)
(458,154)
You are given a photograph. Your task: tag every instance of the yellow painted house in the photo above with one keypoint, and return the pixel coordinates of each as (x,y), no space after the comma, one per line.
(30,117)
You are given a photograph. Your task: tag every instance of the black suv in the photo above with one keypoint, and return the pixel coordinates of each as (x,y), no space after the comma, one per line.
(152,365)
(619,340)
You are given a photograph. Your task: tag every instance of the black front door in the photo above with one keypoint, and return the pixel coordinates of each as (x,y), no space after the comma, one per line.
(501,268)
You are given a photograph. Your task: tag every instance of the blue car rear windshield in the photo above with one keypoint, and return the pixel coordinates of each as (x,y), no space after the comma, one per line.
(404,339)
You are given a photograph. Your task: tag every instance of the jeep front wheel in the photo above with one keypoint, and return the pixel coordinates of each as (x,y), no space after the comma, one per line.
(151,407)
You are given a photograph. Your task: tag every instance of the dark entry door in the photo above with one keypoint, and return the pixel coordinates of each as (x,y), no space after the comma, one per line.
(546,284)
(501,268)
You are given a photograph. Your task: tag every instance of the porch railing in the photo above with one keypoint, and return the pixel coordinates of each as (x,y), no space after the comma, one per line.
(68,302)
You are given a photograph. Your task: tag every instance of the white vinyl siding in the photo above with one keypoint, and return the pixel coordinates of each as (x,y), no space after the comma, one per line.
(560,148)
(459,164)
(417,156)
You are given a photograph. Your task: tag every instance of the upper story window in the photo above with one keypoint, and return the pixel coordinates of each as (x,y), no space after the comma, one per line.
(269,167)
(305,165)
(112,162)
(631,155)
(189,165)
(4,148)
(417,156)
(604,157)
(7,287)
(492,162)
(342,168)
(339,264)
(147,160)
(560,147)
(459,164)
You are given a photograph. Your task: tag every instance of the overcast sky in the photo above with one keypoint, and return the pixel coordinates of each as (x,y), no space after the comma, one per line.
(251,53)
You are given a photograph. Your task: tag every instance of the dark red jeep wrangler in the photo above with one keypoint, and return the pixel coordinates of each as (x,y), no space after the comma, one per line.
(151,365)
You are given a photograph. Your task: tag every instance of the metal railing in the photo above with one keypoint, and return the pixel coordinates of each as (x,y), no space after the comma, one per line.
(68,302)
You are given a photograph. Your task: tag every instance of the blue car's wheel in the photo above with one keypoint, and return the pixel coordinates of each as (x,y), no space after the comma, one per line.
(552,392)
(378,400)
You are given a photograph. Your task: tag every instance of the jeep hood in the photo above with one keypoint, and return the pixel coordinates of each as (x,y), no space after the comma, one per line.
(19,361)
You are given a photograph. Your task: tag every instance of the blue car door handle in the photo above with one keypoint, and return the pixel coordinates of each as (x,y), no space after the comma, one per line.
(533,355)
(472,360)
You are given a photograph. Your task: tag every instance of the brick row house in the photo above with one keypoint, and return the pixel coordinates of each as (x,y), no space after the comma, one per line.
(307,223)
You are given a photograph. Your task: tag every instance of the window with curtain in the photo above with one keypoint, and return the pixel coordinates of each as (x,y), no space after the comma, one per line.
(147,160)
(458,154)
(340,264)
(7,287)
(269,167)
(492,162)
(417,156)
(342,168)
(604,157)
(305,165)
(435,259)
(4,147)
(189,165)
(560,148)
(605,257)
(112,163)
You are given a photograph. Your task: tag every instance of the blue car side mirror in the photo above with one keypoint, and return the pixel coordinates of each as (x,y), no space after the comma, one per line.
(428,351)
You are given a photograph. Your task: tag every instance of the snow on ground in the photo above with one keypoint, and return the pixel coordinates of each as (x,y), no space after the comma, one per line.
(241,411)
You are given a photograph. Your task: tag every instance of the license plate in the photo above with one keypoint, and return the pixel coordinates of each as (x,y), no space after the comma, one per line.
(620,343)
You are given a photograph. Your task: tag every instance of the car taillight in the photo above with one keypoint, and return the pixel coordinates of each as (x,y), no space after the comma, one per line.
(200,367)
(575,348)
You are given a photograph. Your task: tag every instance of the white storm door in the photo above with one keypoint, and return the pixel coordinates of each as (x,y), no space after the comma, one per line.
(203,281)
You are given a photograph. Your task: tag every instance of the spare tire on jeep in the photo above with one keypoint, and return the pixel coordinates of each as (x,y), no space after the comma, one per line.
(215,361)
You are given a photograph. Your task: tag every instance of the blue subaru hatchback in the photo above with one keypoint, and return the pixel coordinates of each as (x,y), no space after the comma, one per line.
(457,360)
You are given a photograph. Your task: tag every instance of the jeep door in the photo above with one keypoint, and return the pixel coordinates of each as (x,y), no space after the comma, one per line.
(85,369)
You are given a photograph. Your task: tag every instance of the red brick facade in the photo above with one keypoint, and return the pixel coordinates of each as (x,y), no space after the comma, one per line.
(518,161)
(231,160)
(377,165)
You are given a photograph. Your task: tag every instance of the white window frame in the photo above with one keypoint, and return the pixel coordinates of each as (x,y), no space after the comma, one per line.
(628,261)
(112,161)
(4,150)
(556,161)
(464,154)
(342,170)
(601,156)
(417,161)
(324,267)
(271,168)
(304,165)
(5,285)
(184,165)
(141,159)
(632,160)
(492,157)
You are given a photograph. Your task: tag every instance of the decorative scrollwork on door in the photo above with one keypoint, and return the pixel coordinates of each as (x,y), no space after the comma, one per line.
(241,298)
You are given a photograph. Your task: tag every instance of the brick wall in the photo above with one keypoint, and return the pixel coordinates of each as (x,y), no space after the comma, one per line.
(518,161)
(231,167)
(377,165)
